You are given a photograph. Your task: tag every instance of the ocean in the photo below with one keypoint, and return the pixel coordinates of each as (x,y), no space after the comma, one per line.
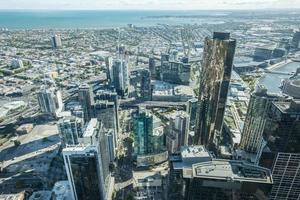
(46,19)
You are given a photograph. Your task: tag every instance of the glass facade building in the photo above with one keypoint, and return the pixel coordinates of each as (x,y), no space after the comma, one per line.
(281,153)
(256,118)
(86,100)
(213,89)
(148,133)
(83,170)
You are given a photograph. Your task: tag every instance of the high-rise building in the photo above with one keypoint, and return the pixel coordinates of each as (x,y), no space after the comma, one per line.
(56,42)
(70,129)
(87,164)
(109,71)
(152,67)
(192,111)
(214,83)
(256,118)
(120,77)
(50,101)
(281,152)
(195,174)
(141,81)
(296,40)
(105,112)
(178,131)
(104,95)
(86,100)
(148,133)
(83,165)
(174,71)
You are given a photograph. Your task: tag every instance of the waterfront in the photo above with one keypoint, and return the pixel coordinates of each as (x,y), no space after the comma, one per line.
(45,19)
(273,81)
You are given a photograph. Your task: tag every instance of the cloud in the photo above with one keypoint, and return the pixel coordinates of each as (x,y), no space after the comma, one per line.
(148,4)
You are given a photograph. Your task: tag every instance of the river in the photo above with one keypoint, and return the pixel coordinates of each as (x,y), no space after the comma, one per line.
(273,81)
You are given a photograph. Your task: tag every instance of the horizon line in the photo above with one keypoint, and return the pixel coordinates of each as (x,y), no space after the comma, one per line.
(142,9)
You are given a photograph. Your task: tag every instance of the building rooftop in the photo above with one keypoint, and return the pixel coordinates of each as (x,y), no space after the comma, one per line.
(92,125)
(292,107)
(231,170)
(194,151)
(78,149)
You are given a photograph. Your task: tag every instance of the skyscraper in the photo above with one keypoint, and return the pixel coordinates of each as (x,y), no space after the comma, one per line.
(296,40)
(109,72)
(281,153)
(214,83)
(141,80)
(83,170)
(120,77)
(70,129)
(86,100)
(50,100)
(256,119)
(152,67)
(56,42)
(103,95)
(178,131)
(148,133)
(87,164)
(192,111)
(105,112)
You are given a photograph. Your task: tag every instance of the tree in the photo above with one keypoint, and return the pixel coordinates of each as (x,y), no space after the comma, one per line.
(17,143)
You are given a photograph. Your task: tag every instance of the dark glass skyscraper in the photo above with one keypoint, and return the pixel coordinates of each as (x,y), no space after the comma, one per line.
(214,82)
(83,170)
(281,153)
(86,99)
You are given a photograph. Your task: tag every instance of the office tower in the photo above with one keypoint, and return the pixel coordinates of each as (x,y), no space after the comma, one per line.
(148,133)
(205,177)
(87,164)
(120,77)
(86,100)
(56,42)
(103,95)
(109,71)
(214,83)
(70,129)
(83,170)
(296,40)
(141,81)
(178,131)
(105,112)
(256,118)
(192,111)
(281,153)
(145,85)
(50,101)
(152,67)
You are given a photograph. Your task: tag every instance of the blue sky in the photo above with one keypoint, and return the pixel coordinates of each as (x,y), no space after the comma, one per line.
(148,4)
